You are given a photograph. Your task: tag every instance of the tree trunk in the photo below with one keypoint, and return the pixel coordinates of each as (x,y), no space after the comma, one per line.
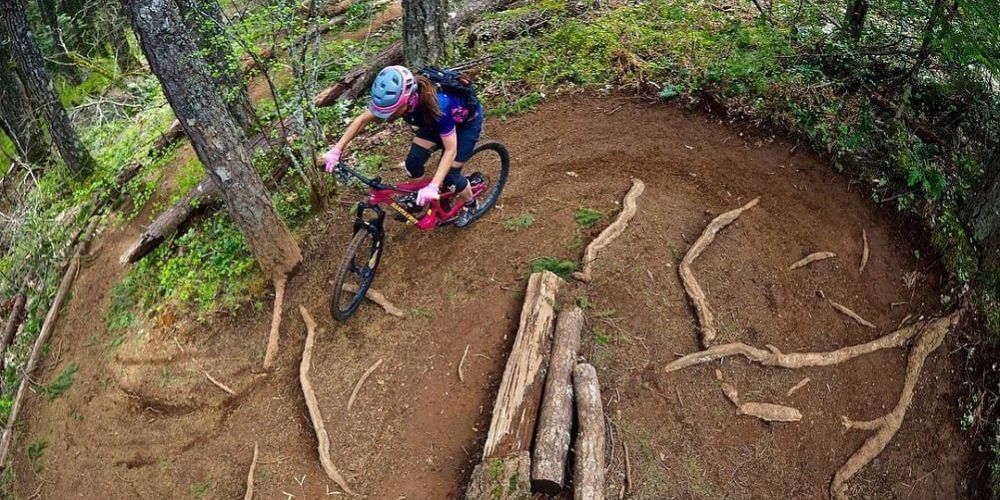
(588,468)
(13,323)
(555,421)
(423,32)
(854,18)
(204,20)
(985,223)
(219,142)
(16,117)
(39,84)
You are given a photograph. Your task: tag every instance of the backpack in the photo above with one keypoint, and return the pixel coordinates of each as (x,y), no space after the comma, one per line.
(454,82)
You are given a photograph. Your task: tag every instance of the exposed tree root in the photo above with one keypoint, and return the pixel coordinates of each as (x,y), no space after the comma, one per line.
(253,465)
(853,315)
(691,286)
(797,386)
(885,427)
(768,412)
(313,405)
(461,376)
(361,381)
(864,253)
(813,257)
(220,385)
(611,232)
(272,340)
(773,357)
(379,299)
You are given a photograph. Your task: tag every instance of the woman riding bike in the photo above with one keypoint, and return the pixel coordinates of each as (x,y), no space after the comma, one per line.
(446,119)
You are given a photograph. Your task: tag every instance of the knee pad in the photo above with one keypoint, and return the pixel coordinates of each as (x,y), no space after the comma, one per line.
(416,160)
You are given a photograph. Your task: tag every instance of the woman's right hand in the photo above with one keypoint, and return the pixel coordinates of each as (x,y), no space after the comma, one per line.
(332,158)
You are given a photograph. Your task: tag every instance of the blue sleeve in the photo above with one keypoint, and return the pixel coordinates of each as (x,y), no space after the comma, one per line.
(446,123)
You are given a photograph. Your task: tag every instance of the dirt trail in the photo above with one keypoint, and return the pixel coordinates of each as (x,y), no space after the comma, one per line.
(143,421)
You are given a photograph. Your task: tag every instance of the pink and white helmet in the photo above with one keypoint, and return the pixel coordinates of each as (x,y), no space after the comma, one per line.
(393,88)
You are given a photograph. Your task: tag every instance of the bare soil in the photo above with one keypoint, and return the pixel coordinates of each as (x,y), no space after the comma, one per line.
(142,420)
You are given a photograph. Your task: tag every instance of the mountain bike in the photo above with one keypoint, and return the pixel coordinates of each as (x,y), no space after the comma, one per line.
(490,166)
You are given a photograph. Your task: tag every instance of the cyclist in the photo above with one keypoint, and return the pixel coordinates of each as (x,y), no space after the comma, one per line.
(448,120)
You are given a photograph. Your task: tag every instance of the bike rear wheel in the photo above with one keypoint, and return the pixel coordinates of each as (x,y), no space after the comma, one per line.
(491,162)
(356,273)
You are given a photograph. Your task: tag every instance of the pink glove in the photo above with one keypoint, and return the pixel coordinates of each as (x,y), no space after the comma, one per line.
(332,158)
(428,193)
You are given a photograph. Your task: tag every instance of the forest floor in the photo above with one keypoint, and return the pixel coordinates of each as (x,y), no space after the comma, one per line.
(142,420)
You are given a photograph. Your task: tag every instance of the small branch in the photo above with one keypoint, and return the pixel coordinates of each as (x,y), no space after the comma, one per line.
(691,286)
(313,405)
(253,465)
(611,232)
(361,381)
(220,384)
(853,315)
(272,341)
(813,257)
(461,377)
(768,412)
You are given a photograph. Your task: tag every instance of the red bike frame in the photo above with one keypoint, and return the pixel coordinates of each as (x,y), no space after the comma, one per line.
(380,194)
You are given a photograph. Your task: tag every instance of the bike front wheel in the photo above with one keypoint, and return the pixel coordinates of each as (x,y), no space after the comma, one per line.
(357,271)
(490,166)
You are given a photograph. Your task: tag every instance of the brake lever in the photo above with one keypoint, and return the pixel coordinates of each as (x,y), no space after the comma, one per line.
(341,173)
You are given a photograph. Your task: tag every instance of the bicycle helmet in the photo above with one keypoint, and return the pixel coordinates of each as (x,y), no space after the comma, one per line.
(393,88)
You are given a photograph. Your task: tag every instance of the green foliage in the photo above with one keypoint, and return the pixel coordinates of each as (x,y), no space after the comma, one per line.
(559,267)
(202,488)
(36,448)
(61,383)
(587,217)
(519,222)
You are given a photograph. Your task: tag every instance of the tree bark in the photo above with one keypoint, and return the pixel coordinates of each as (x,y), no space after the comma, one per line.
(516,408)
(854,18)
(985,223)
(423,32)
(588,468)
(39,83)
(220,144)
(555,421)
(16,117)
(204,21)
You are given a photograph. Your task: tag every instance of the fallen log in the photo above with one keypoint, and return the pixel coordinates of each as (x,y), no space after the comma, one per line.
(349,86)
(611,232)
(694,292)
(588,467)
(555,421)
(322,437)
(29,368)
(515,411)
(13,324)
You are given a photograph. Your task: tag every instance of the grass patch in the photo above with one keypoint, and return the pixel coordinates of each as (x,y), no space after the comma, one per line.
(519,222)
(36,448)
(587,217)
(202,488)
(59,385)
(560,267)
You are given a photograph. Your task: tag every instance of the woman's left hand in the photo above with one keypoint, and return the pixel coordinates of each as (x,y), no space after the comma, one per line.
(428,193)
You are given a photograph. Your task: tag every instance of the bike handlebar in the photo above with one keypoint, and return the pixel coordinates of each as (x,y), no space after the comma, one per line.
(343,171)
